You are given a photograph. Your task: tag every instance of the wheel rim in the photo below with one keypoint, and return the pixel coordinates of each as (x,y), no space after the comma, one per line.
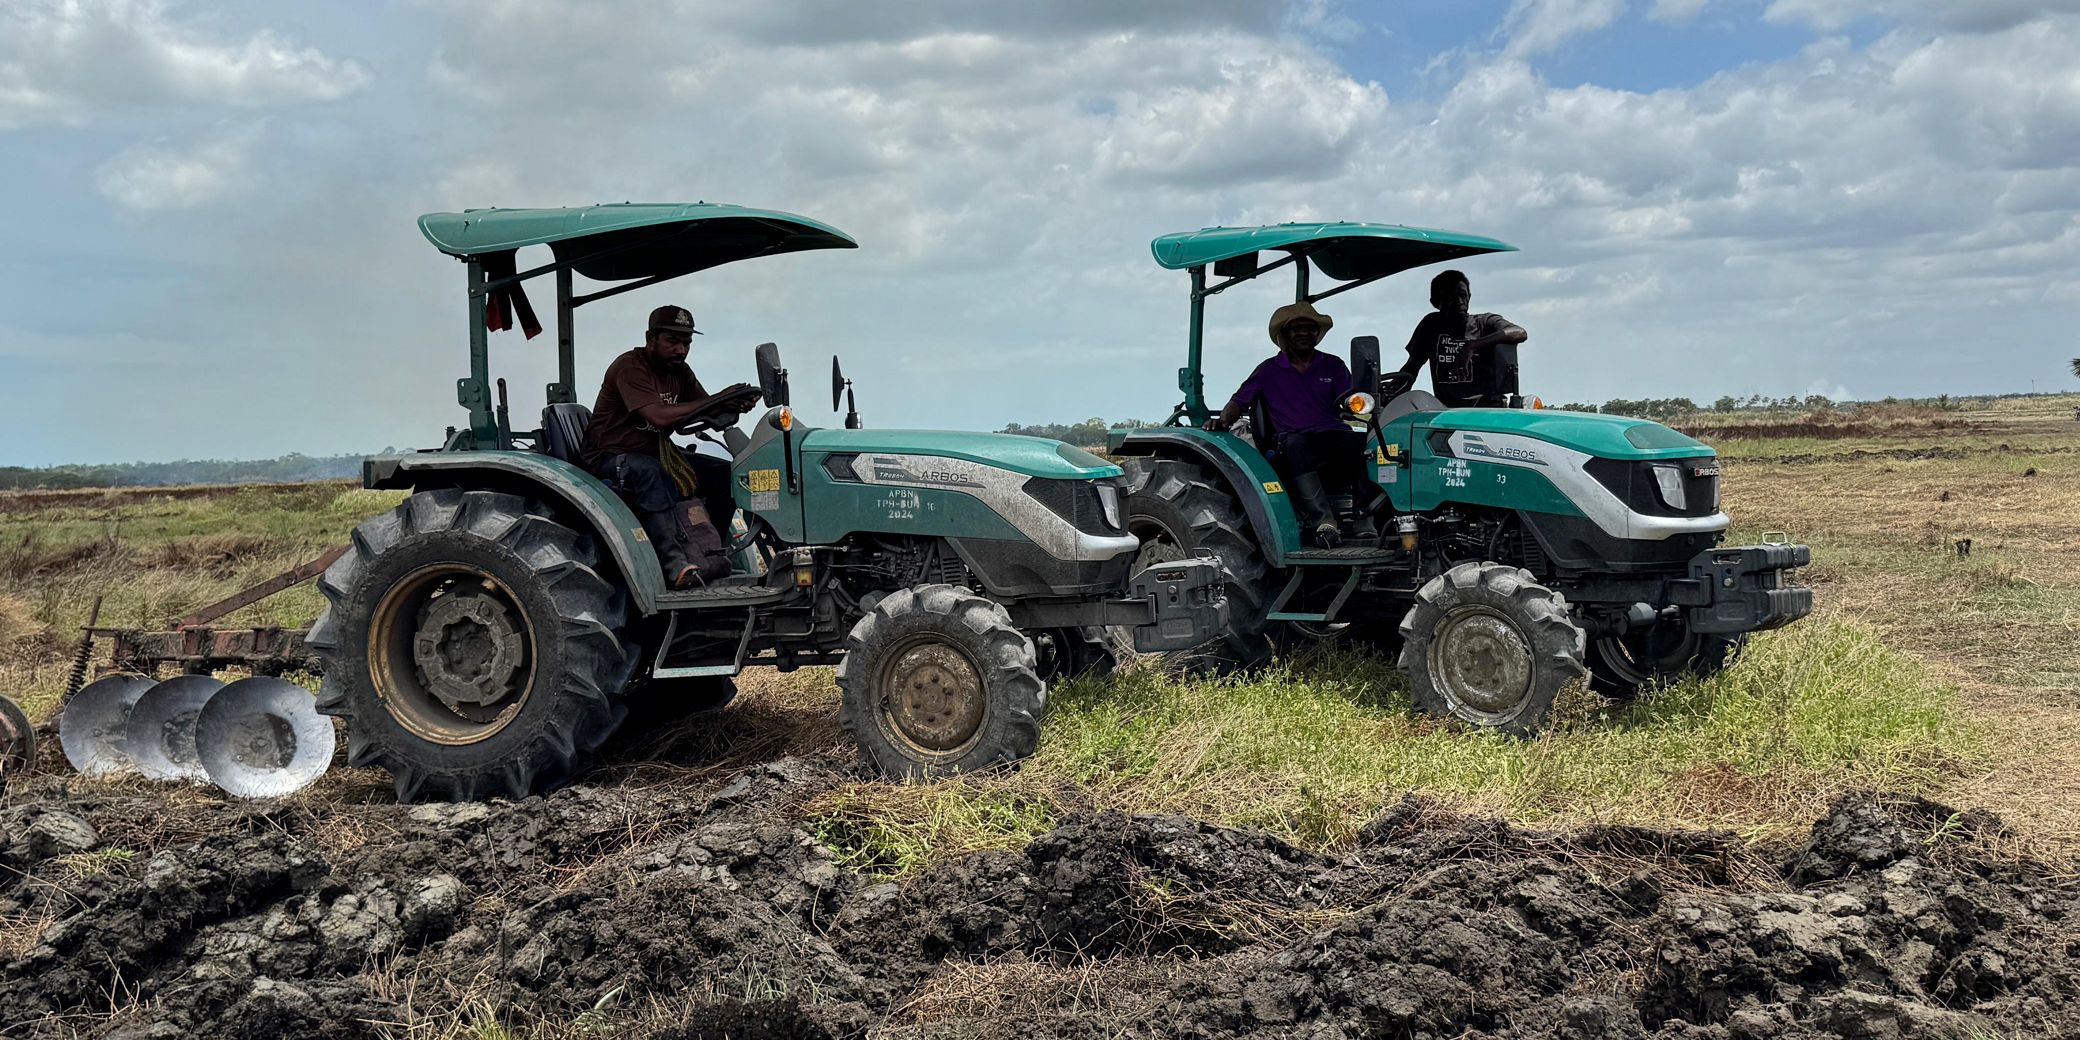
(1052,653)
(1482,662)
(1633,658)
(1159,544)
(450,653)
(932,697)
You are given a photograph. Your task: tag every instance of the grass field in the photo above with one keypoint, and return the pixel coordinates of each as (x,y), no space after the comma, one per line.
(1922,670)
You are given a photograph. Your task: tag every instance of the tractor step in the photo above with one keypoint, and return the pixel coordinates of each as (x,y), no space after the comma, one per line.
(735,592)
(1341,556)
(1280,607)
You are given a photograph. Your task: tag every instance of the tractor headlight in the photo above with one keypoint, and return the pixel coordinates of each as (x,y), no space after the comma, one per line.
(1669,479)
(1108,500)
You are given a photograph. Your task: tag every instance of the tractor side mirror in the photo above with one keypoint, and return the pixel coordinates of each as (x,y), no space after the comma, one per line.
(772,379)
(1365,364)
(841,390)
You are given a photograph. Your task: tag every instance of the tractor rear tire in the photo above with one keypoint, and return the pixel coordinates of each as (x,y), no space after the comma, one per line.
(937,682)
(1486,644)
(1177,510)
(472,646)
(1621,666)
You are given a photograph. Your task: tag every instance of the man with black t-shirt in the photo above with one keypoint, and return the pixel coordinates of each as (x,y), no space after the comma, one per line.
(1472,357)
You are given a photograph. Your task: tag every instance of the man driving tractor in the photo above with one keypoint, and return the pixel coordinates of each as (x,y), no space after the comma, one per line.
(1473,357)
(1303,391)
(646,394)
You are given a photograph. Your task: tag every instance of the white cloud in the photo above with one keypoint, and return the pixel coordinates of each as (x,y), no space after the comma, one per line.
(1275,116)
(1950,15)
(1846,215)
(1677,12)
(1536,26)
(157,175)
(63,60)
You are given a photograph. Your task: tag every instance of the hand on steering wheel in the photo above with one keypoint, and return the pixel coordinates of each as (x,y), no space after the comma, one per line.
(722,409)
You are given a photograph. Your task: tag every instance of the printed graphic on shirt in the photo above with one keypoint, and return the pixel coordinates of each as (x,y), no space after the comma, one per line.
(1452,362)
(666,397)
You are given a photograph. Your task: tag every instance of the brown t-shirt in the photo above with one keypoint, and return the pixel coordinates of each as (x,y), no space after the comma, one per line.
(631,382)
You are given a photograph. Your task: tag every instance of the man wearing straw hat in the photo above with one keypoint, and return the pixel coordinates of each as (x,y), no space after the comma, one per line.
(1303,390)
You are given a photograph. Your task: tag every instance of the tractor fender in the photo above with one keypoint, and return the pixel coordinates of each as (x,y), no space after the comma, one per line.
(1251,478)
(584,497)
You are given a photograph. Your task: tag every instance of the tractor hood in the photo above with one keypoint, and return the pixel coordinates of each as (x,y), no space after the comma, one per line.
(1603,436)
(1032,456)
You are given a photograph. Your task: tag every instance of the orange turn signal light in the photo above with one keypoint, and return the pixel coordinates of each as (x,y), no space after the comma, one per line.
(785,420)
(1359,404)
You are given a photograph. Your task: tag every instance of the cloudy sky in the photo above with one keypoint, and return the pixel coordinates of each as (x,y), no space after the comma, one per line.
(208,248)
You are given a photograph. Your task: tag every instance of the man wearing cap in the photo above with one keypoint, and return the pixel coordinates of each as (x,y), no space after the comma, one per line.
(1472,357)
(1303,389)
(647,393)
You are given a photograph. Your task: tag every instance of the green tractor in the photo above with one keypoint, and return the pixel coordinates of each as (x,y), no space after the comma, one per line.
(487,635)
(1519,548)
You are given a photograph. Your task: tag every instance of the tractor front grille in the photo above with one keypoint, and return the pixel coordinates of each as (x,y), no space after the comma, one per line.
(1081,503)
(1692,482)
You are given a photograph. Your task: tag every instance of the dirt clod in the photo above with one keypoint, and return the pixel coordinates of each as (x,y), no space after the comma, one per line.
(703,909)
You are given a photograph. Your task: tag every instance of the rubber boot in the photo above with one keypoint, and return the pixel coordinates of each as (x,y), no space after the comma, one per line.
(1363,527)
(663,529)
(1311,503)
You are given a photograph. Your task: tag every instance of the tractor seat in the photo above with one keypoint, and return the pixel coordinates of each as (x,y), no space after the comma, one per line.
(1262,435)
(563,431)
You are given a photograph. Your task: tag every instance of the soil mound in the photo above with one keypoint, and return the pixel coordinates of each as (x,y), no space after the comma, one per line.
(702,909)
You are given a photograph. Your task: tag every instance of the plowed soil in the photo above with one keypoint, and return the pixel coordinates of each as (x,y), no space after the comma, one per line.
(706,909)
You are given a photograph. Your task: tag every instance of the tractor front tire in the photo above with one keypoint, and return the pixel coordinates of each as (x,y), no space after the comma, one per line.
(937,682)
(472,647)
(1178,510)
(1486,644)
(1621,666)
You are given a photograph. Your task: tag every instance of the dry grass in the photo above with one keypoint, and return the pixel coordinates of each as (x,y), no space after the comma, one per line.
(1022,990)
(152,555)
(2000,624)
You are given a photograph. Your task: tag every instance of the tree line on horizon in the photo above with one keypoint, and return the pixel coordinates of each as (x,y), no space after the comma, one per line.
(293,468)
(296,467)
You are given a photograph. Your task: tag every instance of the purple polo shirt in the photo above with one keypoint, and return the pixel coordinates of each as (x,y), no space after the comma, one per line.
(1300,402)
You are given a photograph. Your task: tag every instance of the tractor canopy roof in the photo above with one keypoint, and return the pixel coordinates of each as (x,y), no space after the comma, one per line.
(625,240)
(1344,250)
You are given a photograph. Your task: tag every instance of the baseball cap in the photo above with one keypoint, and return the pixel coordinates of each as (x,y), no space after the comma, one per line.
(673,319)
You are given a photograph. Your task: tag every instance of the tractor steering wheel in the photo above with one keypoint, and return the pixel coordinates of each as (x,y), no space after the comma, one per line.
(721,413)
